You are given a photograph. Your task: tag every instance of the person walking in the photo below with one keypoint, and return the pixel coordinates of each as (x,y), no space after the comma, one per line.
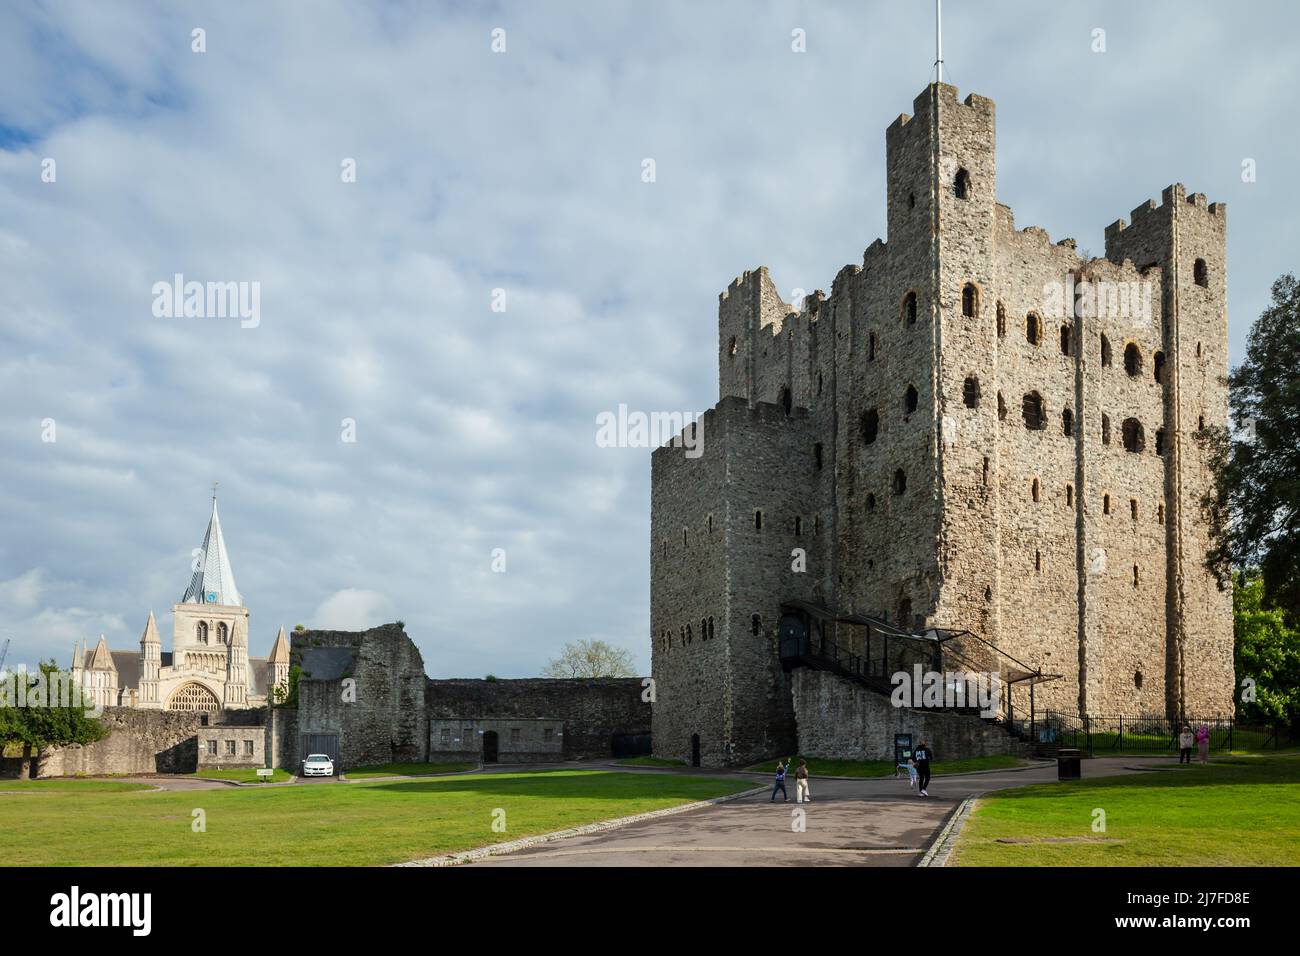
(1203,743)
(922,756)
(1185,741)
(780,783)
(801,794)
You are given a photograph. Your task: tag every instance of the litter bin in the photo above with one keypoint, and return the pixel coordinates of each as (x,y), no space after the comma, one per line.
(1067,764)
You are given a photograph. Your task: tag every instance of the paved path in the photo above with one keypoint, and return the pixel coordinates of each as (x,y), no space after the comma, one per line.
(864,822)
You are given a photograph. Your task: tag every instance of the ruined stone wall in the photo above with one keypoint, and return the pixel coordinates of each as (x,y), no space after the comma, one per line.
(587,713)
(387,720)
(839,719)
(139,741)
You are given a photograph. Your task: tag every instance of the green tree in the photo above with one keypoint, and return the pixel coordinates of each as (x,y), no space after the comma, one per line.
(55,718)
(1255,508)
(286,694)
(1267,653)
(591,659)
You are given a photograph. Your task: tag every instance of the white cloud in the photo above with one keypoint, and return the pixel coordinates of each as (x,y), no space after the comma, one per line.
(352,609)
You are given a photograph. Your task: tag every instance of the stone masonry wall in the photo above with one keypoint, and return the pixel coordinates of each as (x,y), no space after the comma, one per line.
(139,741)
(589,712)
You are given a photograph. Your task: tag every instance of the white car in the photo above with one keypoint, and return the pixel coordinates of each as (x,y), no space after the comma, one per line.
(318,765)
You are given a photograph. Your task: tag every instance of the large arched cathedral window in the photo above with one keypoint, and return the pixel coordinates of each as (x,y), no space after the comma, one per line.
(223,634)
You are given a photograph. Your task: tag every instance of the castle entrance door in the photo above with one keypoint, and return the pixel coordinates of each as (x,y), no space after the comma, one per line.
(490,746)
(695,750)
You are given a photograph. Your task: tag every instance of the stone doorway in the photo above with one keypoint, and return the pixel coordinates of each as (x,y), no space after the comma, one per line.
(490,746)
(695,750)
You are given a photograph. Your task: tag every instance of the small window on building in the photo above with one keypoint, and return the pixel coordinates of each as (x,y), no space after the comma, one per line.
(446,736)
(970,301)
(731,349)
(704,628)
(1002,320)
(1132,360)
(961,185)
(970,392)
(1002,408)
(548,734)
(1069,496)
(819,383)
(817,455)
(1033,329)
(1105,429)
(248,748)
(683,537)
(871,346)
(230,748)
(787,400)
(1160,441)
(1034,490)
(758,520)
(212,748)
(911,200)
(710,628)
(1105,352)
(1159,367)
(1067,422)
(985,476)
(710,524)
(1160,514)
(798,526)
(1201,273)
(1200,423)
(905,612)
(871,502)
(1105,504)
(1135,575)
(910,399)
(755,624)
(870,426)
(1137,680)
(900,482)
(514,735)
(909,309)
(1134,437)
(1133,508)
(1038,560)
(1031,409)
(1065,340)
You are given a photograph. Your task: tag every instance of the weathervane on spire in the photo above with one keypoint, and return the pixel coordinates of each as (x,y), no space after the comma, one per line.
(938,41)
(214,490)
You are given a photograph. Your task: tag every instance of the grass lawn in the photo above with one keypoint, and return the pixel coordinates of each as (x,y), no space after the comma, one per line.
(406,770)
(1238,811)
(369,823)
(245,775)
(881,768)
(72,784)
(650,762)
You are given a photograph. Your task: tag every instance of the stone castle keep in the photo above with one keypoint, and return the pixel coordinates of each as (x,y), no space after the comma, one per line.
(977,430)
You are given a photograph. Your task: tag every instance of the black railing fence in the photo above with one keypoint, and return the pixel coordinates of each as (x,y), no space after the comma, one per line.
(1141,733)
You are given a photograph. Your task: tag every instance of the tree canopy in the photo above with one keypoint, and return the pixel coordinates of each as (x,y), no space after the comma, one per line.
(591,659)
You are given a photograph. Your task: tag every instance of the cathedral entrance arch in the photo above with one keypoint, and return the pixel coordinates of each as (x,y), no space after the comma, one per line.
(193,696)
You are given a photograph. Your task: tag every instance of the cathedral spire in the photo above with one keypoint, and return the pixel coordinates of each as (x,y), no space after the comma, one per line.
(213,581)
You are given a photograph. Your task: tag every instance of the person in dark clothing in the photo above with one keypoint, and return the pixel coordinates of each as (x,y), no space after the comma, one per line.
(922,756)
(780,783)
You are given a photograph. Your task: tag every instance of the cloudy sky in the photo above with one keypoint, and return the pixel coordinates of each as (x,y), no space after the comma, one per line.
(476,171)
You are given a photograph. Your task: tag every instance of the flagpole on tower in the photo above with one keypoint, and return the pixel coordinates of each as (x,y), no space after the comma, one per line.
(938,41)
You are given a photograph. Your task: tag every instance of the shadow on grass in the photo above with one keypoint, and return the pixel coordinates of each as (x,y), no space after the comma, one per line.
(571,784)
(1225,771)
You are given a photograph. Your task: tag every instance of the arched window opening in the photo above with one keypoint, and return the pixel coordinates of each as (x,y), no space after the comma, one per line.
(1031,408)
(970,301)
(787,401)
(1105,504)
(870,426)
(1201,273)
(1160,441)
(970,392)
(1133,508)
(1137,680)
(1069,496)
(1033,329)
(900,482)
(1065,340)
(910,399)
(1038,560)
(755,624)
(201,632)
(1135,575)
(1200,423)
(758,520)
(961,184)
(1134,436)
(1067,422)
(1002,408)
(1105,352)
(1002,320)
(1034,490)
(1158,365)
(909,308)
(1160,514)
(1132,360)
(1105,429)
(223,633)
